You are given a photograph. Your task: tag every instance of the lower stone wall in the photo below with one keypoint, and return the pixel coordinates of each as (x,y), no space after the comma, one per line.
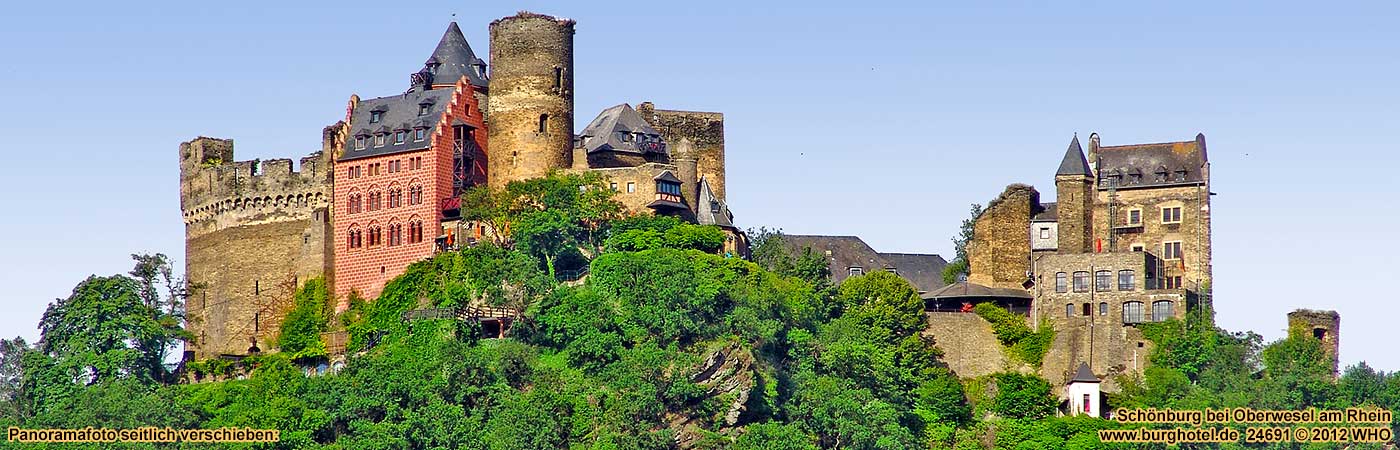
(243,278)
(1110,350)
(969,346)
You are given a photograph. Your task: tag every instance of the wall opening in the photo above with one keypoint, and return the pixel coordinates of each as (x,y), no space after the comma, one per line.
(1320,333)
(544,123)
(558,78)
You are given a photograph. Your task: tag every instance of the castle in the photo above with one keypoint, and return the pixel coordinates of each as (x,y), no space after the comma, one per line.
(383,191)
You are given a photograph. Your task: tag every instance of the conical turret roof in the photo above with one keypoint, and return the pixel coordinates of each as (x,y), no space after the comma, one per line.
(455,58)
(1074,162)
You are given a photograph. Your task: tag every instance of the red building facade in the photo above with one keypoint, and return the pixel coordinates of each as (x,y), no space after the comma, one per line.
(406,160)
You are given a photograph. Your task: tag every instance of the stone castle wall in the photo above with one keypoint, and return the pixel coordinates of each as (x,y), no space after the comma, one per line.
(701,134)
(643,179)
(253,231)
(531,99)
(969,346)
(1193,231)
(1000,255)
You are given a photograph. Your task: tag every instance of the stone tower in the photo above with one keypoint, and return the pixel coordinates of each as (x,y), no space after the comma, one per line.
(1074,189)
(254,231)
(1323,325)
(704,130)
(531,105)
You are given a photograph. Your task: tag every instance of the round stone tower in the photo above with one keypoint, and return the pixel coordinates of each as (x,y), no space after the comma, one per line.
(531,128)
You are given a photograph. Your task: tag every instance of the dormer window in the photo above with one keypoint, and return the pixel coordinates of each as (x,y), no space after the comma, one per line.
(423,109)
(359,142)
(378,140)
(1181,174)
(1161,174)
(666,187)
(376,116)
(1135,176)
(400,136)
(714,207)
(419,135)
(626,137)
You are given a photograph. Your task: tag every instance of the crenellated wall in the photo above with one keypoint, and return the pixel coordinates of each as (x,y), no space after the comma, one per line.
(253,231)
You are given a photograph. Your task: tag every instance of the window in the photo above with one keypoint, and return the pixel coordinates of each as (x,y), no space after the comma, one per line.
(1135,217)
(423,109)
(379,140)
(1171,214)
(626,137)
(399,137)
(1045,232)
(374,169)
(714,207)
(1172,282)
(419,135)
(1103,308)
(1081,282)
(374,236)
(1069,310)
(1171,250)
(395,234)
(1103,280)
(1087,313)
(395,198)
(1132,312)
(631,186)
(1137,247)
(376,116)
(415,232)
(1180,174)
(613,186)
(415,195)
(544,123)
(354,239)
(359,142)
(1161,310)
(1125,280)
(668,188)
(353,204)
(1061,282)
(393,166)
(558,78)
(1086,405)
(352,172)
(374,198)
(853,271)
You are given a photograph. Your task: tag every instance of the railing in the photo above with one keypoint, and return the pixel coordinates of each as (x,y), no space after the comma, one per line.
(571,275)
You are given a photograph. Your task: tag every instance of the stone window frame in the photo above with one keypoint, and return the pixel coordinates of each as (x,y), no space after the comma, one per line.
(1069,310)
(376,235)
(1103,280)
(1081,283)
(395,233)
(1045,232)
(1162,310)
(1175,217)
(354,202)
(1132,310)
(1137,247)
(1061,282)
(415,229)
(415,193)
(1131,280)
(1172,250)
(1103,308)
(855,271)
(400,137)
(1129,217)
(631,186)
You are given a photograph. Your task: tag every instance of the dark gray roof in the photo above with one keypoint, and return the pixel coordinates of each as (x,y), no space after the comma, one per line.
(621,129)
(1084,375)
(845,252)
(1074,162)
(398,112)
(666,175)
(1049,212)
(455,58)
(963,289)
(1160,164)
(706,206)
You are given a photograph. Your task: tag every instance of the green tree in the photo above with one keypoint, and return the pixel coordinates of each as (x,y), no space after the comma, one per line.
(774,436)
(310,316)
(106,330)
(885,300)
(1022,396)
(547,217)
(12,376)
(966,233)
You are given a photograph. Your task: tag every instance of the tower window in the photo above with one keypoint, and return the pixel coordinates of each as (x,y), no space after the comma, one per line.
(558,78)
(1320,333)
(1171,250)
(544,123)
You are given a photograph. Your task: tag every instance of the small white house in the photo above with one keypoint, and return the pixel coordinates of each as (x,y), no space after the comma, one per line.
(1083,393)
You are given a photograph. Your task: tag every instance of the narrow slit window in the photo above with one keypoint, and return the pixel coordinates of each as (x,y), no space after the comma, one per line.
(544,123)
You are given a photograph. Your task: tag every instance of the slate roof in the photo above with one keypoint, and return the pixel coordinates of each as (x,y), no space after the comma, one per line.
(924,271)
(455,59)
(1084,375)
(1049,212)
(398,112)
(706,206)
(606,132)
(1074,162)
(1160,164)
(963,289)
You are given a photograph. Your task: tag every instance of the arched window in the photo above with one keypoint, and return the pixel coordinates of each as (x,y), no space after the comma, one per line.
(354,203)
(1132,312)
(1125,280)
(395,198)
(1161,310)
(544,123)
(415,195)
(395,234)
(353,238)
(1103,308)
(1103,281)
(1069,310)
(415,232)
(1061,282)
(374,200)
(375,237)
(1081,281)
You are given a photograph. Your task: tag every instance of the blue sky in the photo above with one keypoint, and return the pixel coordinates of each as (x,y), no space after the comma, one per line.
(883,120)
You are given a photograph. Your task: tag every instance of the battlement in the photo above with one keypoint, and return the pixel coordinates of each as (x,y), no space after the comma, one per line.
(217,192)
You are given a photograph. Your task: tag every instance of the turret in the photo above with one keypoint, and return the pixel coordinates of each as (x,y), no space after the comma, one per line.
(531,104)
(1074,192)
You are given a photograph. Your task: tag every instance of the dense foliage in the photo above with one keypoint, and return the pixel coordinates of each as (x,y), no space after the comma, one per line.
(1011,330)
